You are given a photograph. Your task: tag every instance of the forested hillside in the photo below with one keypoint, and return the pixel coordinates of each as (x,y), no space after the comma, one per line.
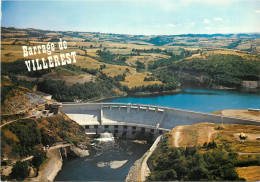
(196,163)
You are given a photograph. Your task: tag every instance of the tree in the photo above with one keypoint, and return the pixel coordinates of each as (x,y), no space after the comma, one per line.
(38,158)
(103,66)
(123,59)
(140,66)
(20,171)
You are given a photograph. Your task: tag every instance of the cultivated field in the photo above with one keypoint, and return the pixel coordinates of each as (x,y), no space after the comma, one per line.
(250,173)
(86,45)
(138,80)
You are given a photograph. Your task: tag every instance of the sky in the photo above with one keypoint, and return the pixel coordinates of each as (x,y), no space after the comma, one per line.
(146,17)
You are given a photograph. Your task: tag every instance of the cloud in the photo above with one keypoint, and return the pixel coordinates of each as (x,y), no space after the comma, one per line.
(218,19)
(171,25)
(206,21)
(257,11)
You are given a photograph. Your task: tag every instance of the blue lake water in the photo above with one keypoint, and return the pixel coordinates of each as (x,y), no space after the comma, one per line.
(202,100)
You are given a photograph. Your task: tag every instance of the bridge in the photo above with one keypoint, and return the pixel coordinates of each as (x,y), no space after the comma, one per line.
(128,120)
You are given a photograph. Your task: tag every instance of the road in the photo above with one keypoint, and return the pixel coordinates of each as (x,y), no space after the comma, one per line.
(14,121)
(59,146)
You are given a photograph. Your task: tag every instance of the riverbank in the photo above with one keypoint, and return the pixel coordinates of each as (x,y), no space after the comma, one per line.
(54,162)
(51,167)
(136,95)
(156,93)
(133,173)
(145,170)
(106,98)
(140,170)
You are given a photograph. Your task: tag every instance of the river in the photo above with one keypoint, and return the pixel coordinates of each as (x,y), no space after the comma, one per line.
(202,100)
(107,162)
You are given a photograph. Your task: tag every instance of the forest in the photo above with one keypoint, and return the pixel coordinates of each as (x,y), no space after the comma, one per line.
(104,86)
(225,70)
(191,164)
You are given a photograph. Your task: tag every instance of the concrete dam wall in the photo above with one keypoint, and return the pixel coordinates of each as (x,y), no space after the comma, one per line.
(130,119)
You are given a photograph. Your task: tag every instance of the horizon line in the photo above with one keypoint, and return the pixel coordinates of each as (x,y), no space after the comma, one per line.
(132,34)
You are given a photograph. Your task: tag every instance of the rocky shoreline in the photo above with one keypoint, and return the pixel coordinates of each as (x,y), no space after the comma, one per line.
(79,152)
(133,173)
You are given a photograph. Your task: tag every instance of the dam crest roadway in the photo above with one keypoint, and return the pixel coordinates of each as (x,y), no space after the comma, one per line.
(129,120)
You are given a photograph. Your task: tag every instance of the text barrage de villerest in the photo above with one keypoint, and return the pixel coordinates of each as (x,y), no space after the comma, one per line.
(51,61)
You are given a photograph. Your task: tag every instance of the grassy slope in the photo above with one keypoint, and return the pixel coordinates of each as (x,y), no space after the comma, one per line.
(228,139)
(228,136)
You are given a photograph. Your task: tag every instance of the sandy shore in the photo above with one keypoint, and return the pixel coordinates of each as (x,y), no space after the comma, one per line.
(117,164)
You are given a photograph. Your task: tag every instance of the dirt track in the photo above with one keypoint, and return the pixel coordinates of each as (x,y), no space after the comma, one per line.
(177,135)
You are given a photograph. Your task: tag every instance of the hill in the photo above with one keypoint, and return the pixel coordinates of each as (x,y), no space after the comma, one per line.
(28,130)
(204,60)
(207,151)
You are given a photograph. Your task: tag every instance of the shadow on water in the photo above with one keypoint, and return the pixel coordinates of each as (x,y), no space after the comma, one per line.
(109,161)
(197,93)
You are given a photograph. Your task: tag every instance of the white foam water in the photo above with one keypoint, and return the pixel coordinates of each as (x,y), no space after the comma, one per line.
(105,137)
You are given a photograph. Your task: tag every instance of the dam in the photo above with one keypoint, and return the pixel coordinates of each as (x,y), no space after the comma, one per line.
(130,120)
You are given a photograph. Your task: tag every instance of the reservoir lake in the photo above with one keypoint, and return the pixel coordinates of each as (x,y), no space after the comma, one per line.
(201,100)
